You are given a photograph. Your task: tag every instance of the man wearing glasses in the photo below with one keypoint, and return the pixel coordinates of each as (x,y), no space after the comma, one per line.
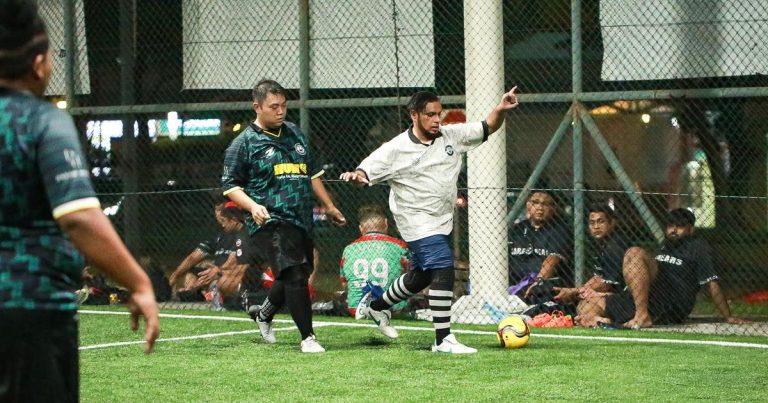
(540,245)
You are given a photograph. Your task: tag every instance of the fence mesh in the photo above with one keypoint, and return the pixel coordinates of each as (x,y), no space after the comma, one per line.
(647,106)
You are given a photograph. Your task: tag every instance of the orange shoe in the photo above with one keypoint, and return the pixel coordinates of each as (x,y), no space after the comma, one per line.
(560,321)
(540,320)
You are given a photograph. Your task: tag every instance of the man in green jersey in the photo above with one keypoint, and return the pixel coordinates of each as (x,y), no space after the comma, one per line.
(48,211)
(270,172)
(373,261)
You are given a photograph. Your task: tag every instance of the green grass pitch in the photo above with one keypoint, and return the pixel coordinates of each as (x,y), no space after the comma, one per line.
(206,358)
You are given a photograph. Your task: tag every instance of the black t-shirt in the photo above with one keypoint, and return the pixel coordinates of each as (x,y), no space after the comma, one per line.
(608,259)
(684,267)
(219,247)
(529,247)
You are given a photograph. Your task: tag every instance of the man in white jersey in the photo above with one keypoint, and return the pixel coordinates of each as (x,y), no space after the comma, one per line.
(421,166)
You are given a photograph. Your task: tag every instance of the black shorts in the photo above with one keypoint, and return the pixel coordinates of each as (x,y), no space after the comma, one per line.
(620,308)
(279,245)
(39,351)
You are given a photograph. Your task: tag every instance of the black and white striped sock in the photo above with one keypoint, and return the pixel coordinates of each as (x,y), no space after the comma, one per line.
(403,288)
(440,301)
(440,304)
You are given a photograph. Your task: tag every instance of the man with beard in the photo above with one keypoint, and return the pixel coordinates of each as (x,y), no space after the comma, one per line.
(681,267)
(422,165)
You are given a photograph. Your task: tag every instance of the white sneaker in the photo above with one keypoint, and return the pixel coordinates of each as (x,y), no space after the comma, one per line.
(310,345)
(265,328)
(452,346)
(382,318)
(361,312)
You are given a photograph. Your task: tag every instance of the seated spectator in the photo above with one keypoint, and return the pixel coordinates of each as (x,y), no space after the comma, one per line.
(539,246)
(373,261)
(664,291)
(614,261)
(196,274)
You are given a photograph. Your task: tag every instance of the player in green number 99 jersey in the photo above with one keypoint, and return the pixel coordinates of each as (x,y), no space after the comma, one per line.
(373,261)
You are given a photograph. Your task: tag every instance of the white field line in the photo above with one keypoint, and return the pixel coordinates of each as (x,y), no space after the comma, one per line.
(413,328)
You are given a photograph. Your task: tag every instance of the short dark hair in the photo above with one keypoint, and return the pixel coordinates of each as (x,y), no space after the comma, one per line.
(233,212)
(264,87)
(542,191)
(681,217)
(602,207)
(419,101)
(370,212)
(22,37)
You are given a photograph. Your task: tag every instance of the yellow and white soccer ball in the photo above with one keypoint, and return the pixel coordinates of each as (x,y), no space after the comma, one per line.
(513,332)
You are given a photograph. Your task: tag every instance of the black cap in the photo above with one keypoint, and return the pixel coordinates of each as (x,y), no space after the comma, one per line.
(681,216)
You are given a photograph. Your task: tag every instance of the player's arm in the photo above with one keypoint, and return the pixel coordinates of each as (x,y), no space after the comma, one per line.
(721,303)
(234,178)
(357,177)
(705,274)
(375,168)
(318,188)
(93,234)
(549,266)
(594,285)
(496,118)
(195,257)
(257,211)
(77,211)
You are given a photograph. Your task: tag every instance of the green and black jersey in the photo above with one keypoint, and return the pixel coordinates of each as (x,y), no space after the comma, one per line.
(43,176)
(275,169)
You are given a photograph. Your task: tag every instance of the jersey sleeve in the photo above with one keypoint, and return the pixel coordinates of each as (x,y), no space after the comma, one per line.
(466,135)
(705,271)
(314,164)
(208,247)
(378,165)
(235,175)
(65,172)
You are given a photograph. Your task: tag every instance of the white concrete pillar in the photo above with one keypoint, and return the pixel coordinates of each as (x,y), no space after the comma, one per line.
(486,167)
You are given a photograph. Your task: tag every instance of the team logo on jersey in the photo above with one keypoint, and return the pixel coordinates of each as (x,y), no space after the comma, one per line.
(300,149)
(449,149)
(269,152)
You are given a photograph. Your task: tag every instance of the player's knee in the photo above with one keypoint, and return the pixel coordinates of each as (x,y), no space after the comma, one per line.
(416,280)
(635,259)
(443,278)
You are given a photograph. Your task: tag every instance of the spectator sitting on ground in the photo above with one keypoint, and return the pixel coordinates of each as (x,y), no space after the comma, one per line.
(197,275)
(539,246)
(666,289)
(373,261)
(614,263)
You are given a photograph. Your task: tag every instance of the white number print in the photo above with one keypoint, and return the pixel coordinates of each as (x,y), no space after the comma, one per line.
(377,271)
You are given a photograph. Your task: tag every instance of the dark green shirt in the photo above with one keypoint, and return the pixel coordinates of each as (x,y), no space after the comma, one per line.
(275,170)
(42,175)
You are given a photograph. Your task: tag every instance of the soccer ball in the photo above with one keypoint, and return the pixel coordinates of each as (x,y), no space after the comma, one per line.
(513,332)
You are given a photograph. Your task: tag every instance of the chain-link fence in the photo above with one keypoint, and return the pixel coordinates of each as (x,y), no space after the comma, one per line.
(645,106)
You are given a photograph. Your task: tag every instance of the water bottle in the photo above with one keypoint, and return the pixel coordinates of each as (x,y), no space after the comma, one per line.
(496,313)
(215,296)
